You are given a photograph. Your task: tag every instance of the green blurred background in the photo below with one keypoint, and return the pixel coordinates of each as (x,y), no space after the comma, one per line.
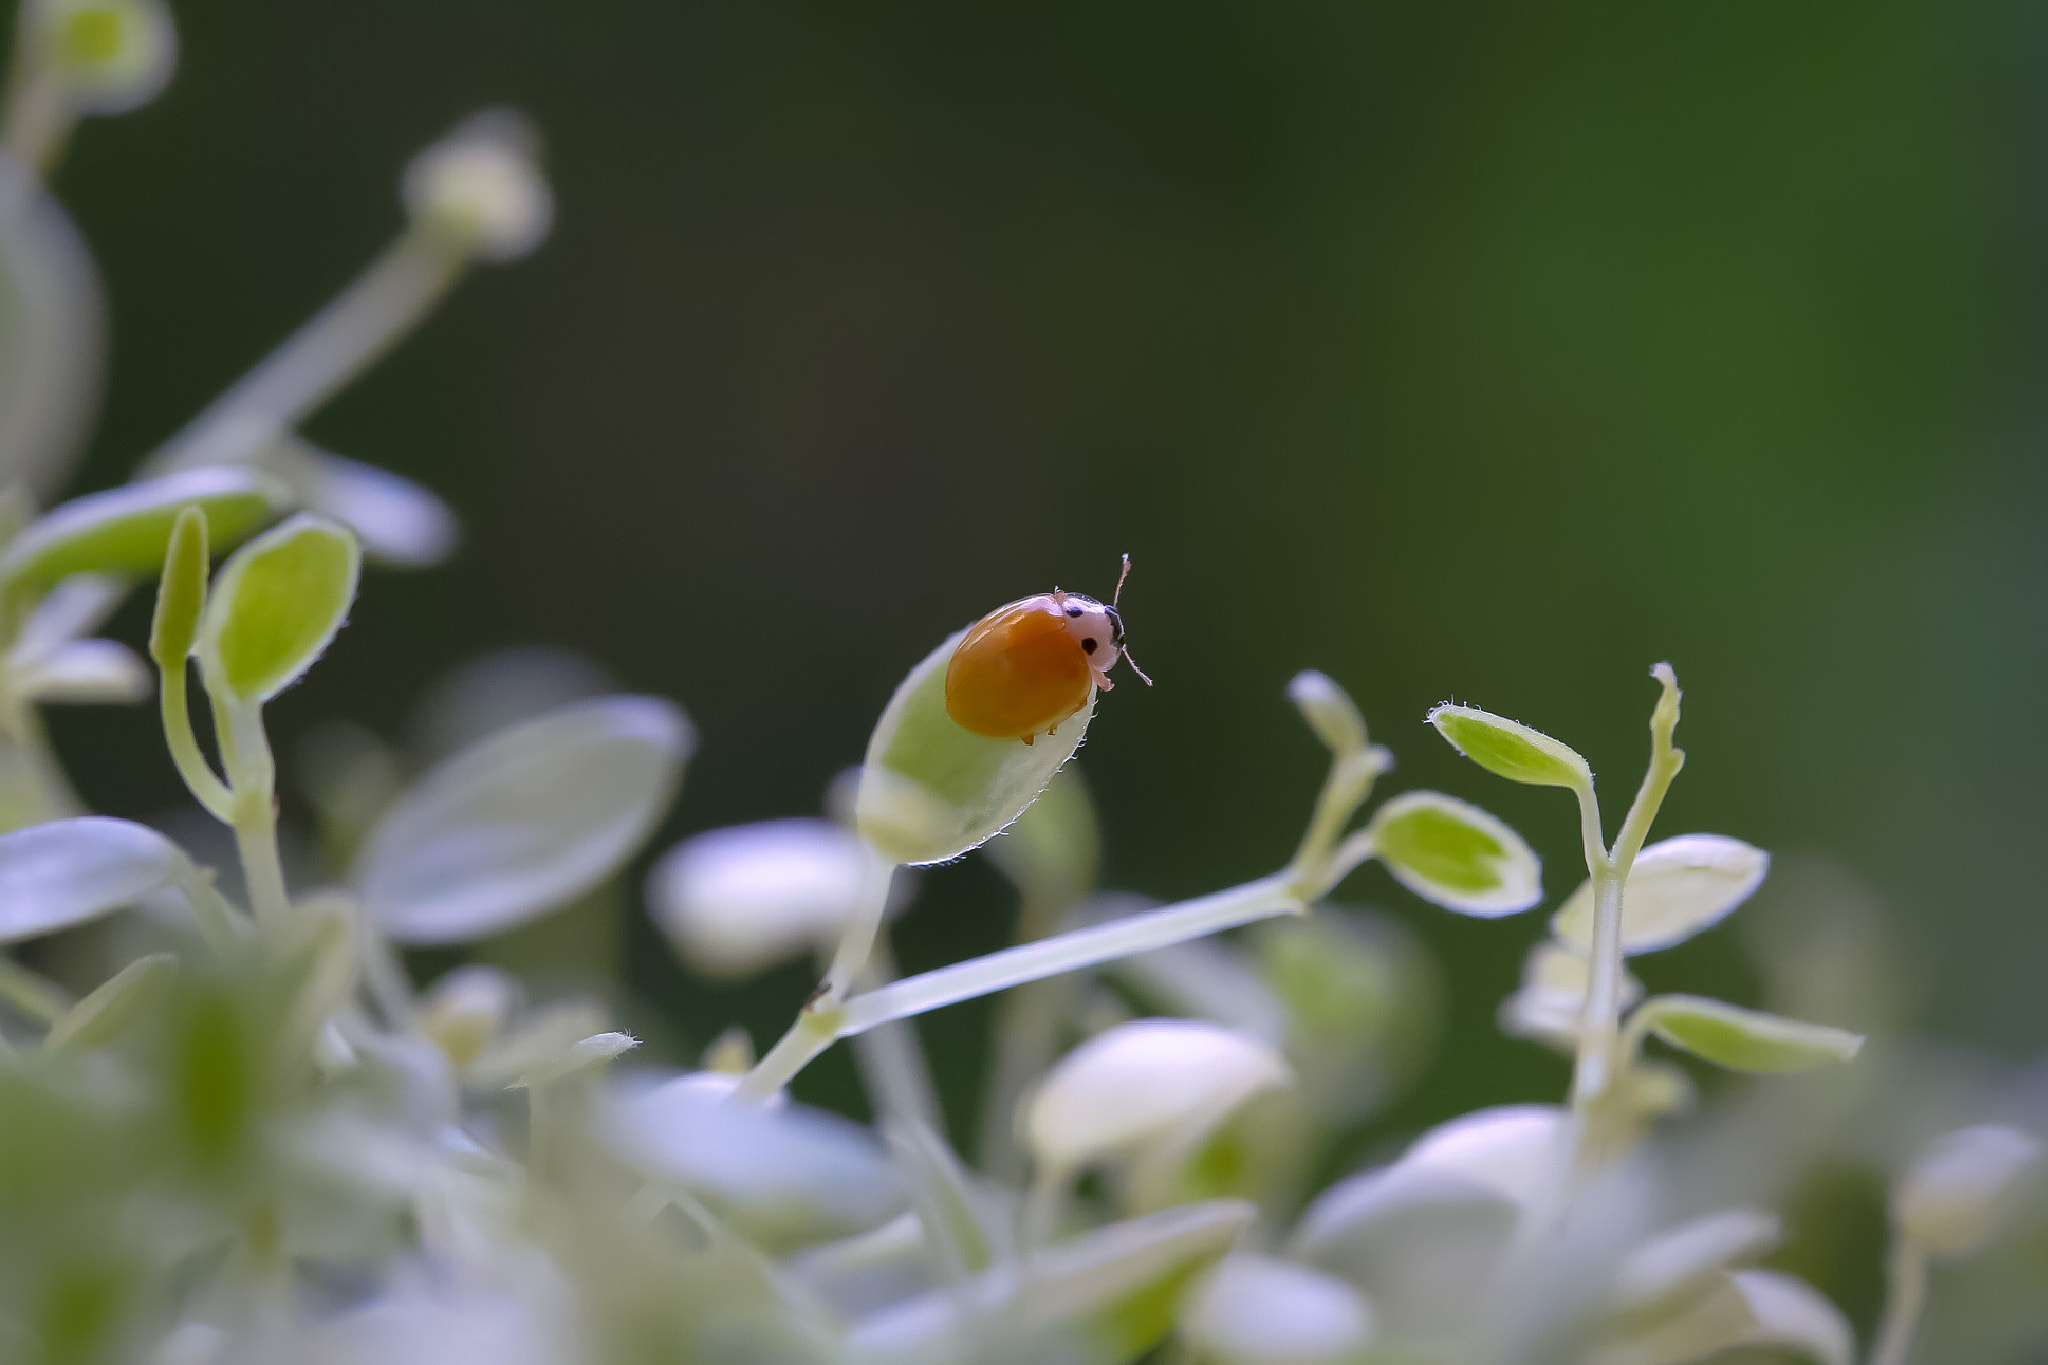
(1480,352)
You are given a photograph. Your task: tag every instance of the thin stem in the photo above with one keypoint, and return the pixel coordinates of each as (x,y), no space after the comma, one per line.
(254,775)
(813,1032)
(337,343)
(857,939)
(220,923)
(39,115)
(892,1062)
(1262,899)
(199,777)
(1905,1297)
(1345,788)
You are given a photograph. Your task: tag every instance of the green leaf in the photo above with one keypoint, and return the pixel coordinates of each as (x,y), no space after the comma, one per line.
(1456,855)
(931,789)
(126,531)
(1746,1040)
(1511,750)
(275,607)
(99,1018)
(1677,888)
(1329,711)
(181,592)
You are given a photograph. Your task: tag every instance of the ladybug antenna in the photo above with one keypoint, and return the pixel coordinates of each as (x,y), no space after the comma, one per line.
(1114,598)
(1118,595)
(1134,666)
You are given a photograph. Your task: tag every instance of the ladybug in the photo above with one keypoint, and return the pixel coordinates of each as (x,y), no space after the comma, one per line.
(1027,666)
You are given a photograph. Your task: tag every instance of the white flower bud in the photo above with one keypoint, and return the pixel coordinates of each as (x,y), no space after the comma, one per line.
(1950,1202)
(482,184)
(1142,1081)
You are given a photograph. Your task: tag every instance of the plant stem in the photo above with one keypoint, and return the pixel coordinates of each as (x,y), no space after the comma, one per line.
(39,114)
(337,343)
(1905,1296)
(1261,899)
(254,774)
(857,939)
(199,777)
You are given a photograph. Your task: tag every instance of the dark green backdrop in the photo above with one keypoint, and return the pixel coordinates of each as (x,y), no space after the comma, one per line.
(1490,352)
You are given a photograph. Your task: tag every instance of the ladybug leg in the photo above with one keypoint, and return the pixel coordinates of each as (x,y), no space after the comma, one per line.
(1102,680)
(1028,740)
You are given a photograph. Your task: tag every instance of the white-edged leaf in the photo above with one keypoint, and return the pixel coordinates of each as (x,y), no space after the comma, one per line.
(1455,855)
(275,606)
(1510,749)
(1746,1040)
(1145,1081)
(931,789)
(1952,1200)
(125,531)
(1255,1310)
(66,872)
(1677,888)
(583,1054)
(524,820)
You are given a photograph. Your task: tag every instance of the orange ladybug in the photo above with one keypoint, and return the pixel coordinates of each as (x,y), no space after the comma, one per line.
(1025,667)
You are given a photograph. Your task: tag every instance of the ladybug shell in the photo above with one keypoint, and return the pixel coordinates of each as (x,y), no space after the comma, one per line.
(1018,671)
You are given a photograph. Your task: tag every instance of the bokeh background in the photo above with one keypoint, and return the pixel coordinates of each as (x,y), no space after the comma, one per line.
(1478,352)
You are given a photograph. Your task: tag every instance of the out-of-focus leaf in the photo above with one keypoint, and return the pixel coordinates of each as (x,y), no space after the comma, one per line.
(1255,1310)
(125,531)
(1746,1040)
(66,872)
(1050,851)
(1455,855)
(1677,1266)
(781,1174)
(1101,1299)
(106,672)
(523,821)
(1754,1308)
(1329,711)
(1952,1200)
(102,1016)
(1676,889)
(734,901)
(1145,1081)
(931,789)
(52,322)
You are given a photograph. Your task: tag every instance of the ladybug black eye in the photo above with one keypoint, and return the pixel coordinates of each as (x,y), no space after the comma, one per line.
(1088,645)
(1074,612)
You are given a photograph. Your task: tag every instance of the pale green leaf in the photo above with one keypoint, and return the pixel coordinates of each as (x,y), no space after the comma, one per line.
(1746,1040)
(275,606)
(930,789)
(1509,749)
(1456,855)
(126,531)
(181,591)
